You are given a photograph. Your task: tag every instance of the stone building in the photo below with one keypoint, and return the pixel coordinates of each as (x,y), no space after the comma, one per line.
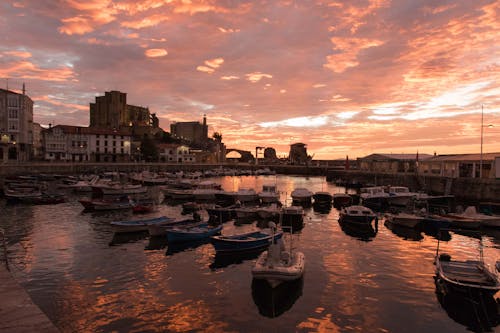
(298,154)
(192,131)
(112,111)
(16,126)
(175,153)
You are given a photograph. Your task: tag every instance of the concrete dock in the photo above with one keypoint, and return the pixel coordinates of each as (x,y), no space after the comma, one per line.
(18,313)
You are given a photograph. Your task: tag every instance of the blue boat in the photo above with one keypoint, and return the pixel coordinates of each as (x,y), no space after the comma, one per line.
(243,242)
(139,225)
(202,232)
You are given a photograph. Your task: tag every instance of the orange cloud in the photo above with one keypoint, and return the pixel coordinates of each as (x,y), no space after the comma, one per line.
(230,77)
(76,26)
(348,49)
(205,69)
(146,22)
(27,70)
(153,53)
(257,76)
(19,54)
(214,63)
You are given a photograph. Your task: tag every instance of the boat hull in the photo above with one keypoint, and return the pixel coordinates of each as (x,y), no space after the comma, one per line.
(244,242)
(275,274)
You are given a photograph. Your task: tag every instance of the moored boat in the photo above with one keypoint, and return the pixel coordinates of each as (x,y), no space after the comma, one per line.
(161,229)
(292,216)
(357,214)
(138,225)
(408,220)
(322,198)
(341,200)
(249,241)
(269,194)
(301,196)
(197,233)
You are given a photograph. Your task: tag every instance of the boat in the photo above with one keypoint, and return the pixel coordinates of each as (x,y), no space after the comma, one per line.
(471,277)
(144,206)
(341,200)
(245,213)
(245,195)
(361,231)
(139,225)
(292,216)
(401,195)
(106,204)
(357,214)
(374,197)
(22,194)
(301,196)
(179,194)
(221,214)
(271,212)
(460,221)
(409,220)
(117,189)
(197,233)
(249,241)
(273,302)
(323,198)
(279,264)
(269,194)
(206,190)
(492,221)
(161,230)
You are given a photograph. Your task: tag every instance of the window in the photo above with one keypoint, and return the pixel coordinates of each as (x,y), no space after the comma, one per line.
(105,136)
(106,150)
(114,136)
(114,143)
(121,143)
(97,136)
(97,150)
(106,143)
(97,142)
(122,151)
(13,114)
(13,126)
(13,101)
(122,137)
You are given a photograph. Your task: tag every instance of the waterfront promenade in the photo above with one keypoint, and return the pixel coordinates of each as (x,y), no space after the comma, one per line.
(18,313)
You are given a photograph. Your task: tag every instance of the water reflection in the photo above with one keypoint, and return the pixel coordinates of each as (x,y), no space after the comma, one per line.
(181,247)
(156,243)
(123,238)
(477,313)
(273,302)
(322,208)
(224,260)
(404,232)
(364,232)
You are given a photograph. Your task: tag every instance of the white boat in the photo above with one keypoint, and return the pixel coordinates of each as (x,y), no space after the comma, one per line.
(485,220)
(246,195)
(399,195)
(408,220)
(301,196)
(357,214)
(118,189)
(374,197)
(279,264)
(269,194)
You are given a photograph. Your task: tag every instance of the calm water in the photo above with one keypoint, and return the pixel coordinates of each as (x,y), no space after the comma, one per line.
(87,280)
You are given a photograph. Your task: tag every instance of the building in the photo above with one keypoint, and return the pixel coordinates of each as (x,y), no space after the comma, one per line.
(16,126)
(460,165)
(112,111)
(175,153)
(81,144)
(37,142)
(391,163)
(298,154)
(192,131)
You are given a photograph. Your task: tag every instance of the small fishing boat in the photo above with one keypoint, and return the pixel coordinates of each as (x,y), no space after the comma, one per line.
(144,206)
(161,230)
(341,200)
(466,276)
(105,204)
(271,212)
(301,196)
(245,195)
(269,194)
(279,264)
(197,233)
(323,198)
(357,214)
(492,221)
(462,222)
(408,220)
(292,216)
(139,225)
(249,241)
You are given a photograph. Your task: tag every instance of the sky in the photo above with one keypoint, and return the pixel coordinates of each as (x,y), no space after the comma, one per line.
(344,77)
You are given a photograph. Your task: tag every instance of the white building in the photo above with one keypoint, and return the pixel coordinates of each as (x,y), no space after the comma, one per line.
(16,126)
(80,144)
(175,153)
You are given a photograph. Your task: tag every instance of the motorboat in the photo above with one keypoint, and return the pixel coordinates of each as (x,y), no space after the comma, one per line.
(341,200)
(301,196)
(117,189)
(409,220)
(278,263)
(357,214)
(322,198)
(460,221)
(374,197)
(161,229)
(269,194)
(139,225)
(206,190)
(271,212)
(292,216)
(245,195)
(188,234)
(470,212)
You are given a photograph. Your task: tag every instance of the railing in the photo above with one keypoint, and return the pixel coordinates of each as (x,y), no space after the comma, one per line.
(4,246)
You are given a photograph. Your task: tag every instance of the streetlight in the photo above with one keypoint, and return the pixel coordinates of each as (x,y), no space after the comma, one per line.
(481,158)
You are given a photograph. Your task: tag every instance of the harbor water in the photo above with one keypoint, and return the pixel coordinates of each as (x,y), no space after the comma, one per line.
(87,279)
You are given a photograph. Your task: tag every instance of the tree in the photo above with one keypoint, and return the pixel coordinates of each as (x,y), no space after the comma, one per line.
(217,136)
(149,151)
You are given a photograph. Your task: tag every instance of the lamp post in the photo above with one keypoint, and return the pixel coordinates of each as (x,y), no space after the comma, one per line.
(481,156)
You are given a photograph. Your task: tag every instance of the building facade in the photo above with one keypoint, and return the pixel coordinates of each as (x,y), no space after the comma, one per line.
(191,131)
(175,153)
(112,111)
(298,154)
(16,126)
(82,144)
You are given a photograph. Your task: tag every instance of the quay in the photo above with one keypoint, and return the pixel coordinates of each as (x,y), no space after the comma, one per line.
(464,189)
(18,313)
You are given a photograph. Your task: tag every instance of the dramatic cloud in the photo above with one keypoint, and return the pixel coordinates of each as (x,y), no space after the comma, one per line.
(344,77)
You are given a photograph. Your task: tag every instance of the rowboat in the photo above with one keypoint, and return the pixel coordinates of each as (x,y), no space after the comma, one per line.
(139,225)
(179,235)
(161,230)
(249,241)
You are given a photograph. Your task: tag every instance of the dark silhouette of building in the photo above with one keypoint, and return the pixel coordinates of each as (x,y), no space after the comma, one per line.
(298,154)
(191,131)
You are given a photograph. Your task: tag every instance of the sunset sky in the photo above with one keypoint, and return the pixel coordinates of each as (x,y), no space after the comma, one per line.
(344,77)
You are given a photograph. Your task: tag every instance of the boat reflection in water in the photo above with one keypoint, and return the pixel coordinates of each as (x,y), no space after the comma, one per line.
(173,248)
(123,238)
(273,302)
(404,232)
(156,243)
(365,232)
(479,313)
(225,260)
